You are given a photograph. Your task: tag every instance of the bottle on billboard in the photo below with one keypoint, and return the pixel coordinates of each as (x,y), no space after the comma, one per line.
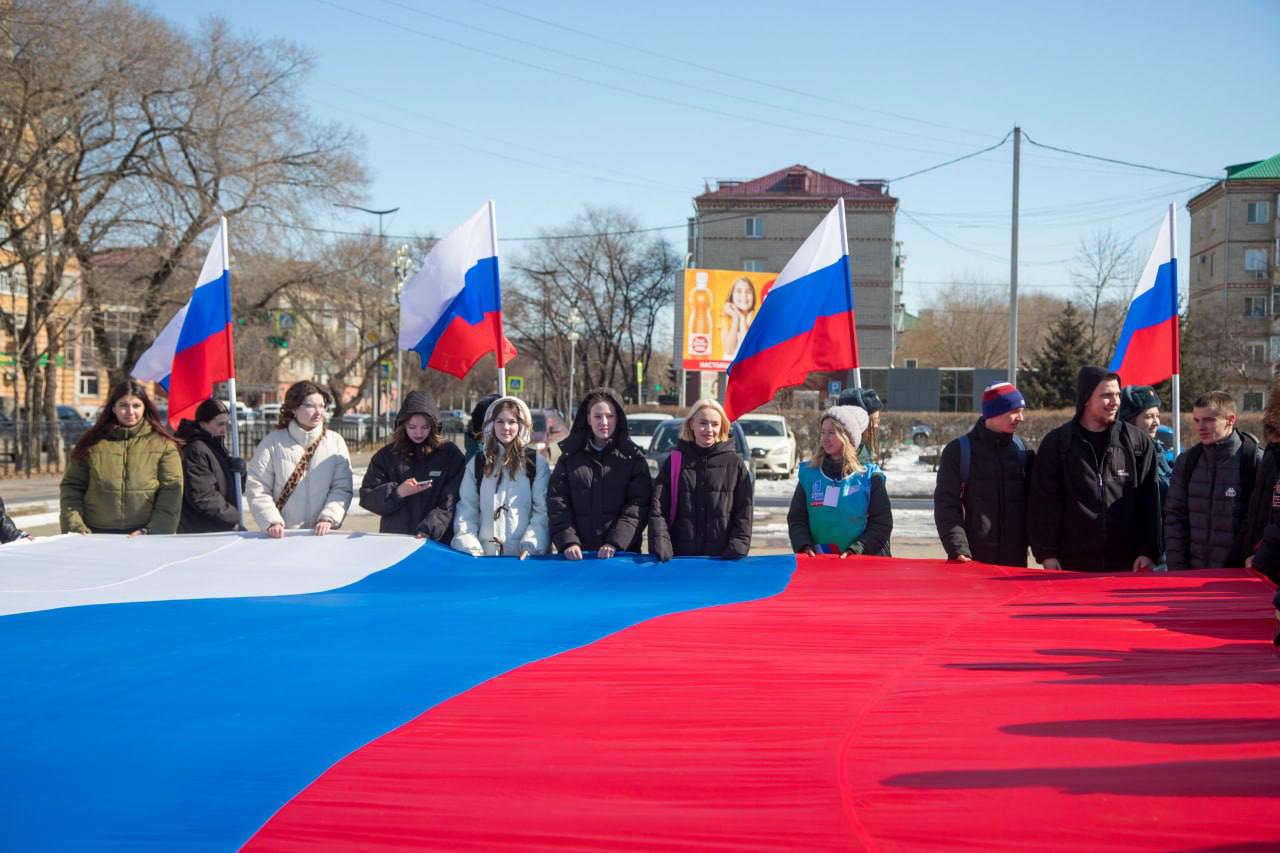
(699,313)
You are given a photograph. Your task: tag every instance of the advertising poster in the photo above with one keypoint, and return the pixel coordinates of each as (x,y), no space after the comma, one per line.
(719,306)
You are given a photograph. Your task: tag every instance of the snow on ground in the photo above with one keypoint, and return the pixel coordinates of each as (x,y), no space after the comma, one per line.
(913,524)
(905,476)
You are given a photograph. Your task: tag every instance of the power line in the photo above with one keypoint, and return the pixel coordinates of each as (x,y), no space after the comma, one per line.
(616,88)
(1128,163)
(952,162)
(714,70)
(688,84)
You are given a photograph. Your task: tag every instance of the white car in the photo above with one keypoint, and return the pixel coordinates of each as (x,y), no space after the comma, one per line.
(773,445)
(641,426)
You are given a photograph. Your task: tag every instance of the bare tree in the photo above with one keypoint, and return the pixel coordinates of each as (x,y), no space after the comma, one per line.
(237,142)
(1103,271)
(617,278)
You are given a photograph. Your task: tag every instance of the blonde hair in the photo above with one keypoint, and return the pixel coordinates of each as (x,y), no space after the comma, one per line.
(849,463)
(510,457)
(686,428)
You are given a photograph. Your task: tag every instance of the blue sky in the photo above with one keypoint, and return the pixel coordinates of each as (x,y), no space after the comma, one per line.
(551,106)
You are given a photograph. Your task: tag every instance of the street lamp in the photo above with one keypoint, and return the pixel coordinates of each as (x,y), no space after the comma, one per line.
(377,367)
(575,320)
(402,265)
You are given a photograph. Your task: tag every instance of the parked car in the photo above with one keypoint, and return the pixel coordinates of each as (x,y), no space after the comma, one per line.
(269,412)
(454,420)
(642,425)
(667,435)
(549,428)
(773,445)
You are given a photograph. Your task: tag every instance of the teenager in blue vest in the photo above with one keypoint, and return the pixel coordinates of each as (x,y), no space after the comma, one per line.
(980,500)
(841,506)
(702,496)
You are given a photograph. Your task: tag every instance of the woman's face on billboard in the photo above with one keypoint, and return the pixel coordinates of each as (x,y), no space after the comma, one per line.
(743,296)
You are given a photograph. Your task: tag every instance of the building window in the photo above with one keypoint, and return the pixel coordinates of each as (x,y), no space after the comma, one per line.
(1257,353)
(752,265)
(755,226)
(89,383)
(1255,260)
(911,363)
(1255,306)
(1258,213)
(1213,219)
(1275,302)
(1253,401)
(955,393)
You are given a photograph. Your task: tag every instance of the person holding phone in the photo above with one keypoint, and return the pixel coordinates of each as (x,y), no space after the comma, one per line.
(412,483)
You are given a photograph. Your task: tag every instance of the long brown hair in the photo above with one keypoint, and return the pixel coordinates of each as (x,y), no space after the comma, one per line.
(293,398)
(106,421)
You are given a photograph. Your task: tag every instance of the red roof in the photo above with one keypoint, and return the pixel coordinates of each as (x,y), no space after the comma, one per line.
(798,182)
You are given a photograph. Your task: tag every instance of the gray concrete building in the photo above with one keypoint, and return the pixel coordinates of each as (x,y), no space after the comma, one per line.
(758,224)
(1234,278)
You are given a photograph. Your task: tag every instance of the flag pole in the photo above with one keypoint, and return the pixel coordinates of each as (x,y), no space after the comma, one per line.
(1177,361)
(497,350)
(231,362)
(844,250)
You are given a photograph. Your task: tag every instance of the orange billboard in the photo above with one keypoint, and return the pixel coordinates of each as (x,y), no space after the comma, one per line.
(719,306)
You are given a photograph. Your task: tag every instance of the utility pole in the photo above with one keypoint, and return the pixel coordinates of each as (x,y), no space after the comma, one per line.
(377,365)
(1013,263)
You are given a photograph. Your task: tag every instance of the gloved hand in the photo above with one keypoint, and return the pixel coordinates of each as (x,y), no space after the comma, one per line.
(662,550)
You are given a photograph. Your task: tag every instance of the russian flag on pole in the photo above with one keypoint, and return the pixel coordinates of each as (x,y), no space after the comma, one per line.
(1147,352)
(195,349)
(451,310)
(805,324)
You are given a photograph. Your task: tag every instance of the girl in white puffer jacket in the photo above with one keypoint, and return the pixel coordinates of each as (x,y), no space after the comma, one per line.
(319,492)
(502,502)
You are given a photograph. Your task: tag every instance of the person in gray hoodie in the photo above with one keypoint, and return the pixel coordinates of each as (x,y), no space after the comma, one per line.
(1209,495)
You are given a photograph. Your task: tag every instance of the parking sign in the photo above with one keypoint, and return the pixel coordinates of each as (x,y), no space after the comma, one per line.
(833,387)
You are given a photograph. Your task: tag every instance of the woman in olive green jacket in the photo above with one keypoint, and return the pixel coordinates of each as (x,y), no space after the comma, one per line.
(125,473)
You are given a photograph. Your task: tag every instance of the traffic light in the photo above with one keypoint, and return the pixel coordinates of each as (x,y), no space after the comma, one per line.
(671,375)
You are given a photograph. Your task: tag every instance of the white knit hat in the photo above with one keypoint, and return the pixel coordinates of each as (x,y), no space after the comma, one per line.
(852,419)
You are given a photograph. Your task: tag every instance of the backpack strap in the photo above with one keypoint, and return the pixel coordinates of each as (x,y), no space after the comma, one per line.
(677,458)
(966,454)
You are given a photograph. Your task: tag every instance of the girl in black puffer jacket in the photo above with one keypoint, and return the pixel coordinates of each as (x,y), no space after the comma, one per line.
(598,499)
(208,472)
(708,512)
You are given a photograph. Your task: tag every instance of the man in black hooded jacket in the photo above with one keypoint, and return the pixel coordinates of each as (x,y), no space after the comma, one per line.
(1095,503)
(599,494)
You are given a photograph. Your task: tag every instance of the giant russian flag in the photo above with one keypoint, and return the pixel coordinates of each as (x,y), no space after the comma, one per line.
(451,310)
(370,693)
(195,349)
(805,324)
(1147,352)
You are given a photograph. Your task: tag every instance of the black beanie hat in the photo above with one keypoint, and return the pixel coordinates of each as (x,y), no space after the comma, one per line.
(1136,399)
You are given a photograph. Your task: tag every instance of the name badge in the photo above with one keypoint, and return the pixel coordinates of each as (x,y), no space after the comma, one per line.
(832,496)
